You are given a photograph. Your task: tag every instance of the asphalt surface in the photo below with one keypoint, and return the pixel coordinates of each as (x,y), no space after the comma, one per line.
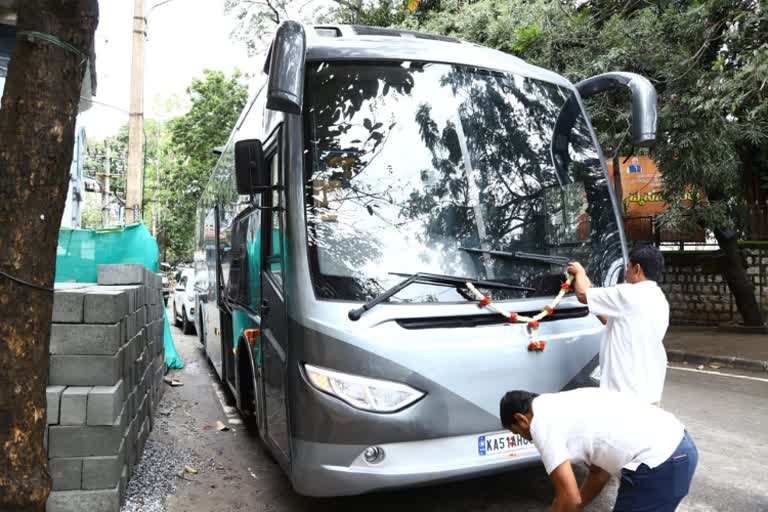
(726,413)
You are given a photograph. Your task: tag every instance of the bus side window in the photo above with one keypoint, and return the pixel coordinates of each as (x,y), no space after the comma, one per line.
(275,257)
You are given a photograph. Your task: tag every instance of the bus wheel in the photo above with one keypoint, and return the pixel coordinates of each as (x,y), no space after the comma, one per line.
(246,390)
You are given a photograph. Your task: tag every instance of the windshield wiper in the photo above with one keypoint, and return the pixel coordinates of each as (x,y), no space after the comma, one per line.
(426,278)
(543,258)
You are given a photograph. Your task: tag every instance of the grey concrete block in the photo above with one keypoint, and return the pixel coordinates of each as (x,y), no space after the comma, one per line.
(69,370)
(124,330)
(128,376)
(123,482)
(68,306)
(65,473)
(105,404)
(157,362)
(103,472)
(152,296)
(125,273)
(131,324)
(133,433)
(130,404)
(141,317)
(145,379)
(130,457)
(74,401)
(105,500)
(85,339)
(141,413)
(104,306)
(131,291)
(53,402)
(142,438)
(86,441)
(127,364)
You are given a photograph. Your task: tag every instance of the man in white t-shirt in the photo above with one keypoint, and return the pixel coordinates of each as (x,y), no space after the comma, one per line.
(614,434)
(636,314)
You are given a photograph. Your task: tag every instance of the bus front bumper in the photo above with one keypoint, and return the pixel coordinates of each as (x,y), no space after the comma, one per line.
(323,470)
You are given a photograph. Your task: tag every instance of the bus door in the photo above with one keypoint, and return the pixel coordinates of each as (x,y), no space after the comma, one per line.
(274,318)
(212,317)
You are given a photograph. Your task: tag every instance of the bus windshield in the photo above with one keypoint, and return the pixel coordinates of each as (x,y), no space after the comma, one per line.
(410,163)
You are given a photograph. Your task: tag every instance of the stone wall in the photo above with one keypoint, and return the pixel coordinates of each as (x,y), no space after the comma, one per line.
(697,292)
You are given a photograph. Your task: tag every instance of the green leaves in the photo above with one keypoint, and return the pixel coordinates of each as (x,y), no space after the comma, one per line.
(217,100)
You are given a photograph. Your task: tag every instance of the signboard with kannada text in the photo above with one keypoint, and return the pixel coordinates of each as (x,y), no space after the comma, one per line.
(642,198)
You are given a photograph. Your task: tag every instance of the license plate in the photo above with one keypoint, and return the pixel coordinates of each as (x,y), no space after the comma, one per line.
(506,442)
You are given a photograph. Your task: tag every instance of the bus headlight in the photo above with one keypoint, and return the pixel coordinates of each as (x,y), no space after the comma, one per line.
(362,392)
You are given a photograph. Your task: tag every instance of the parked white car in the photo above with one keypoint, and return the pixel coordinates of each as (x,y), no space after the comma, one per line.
(184,301)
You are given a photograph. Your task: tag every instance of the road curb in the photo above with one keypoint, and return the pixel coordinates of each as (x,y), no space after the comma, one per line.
(741,363)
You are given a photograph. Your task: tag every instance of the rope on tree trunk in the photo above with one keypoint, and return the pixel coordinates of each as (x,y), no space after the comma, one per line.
(25,283)
(48,38)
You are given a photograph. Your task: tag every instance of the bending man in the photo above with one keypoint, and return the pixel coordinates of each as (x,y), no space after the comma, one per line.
(613,434)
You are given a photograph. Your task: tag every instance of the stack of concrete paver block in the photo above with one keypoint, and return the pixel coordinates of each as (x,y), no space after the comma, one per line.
(107,364)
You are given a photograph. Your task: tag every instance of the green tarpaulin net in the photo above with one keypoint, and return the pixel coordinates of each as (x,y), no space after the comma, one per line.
(80,250)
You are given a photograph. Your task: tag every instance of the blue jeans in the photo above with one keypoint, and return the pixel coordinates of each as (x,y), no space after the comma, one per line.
(662,488)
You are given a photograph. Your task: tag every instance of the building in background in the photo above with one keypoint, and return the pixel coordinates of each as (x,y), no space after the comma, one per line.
(73,207)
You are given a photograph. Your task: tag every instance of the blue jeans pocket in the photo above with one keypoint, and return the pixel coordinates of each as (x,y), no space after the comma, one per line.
(681,481)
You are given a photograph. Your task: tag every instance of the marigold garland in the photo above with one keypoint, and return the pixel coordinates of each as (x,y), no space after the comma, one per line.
(531,322)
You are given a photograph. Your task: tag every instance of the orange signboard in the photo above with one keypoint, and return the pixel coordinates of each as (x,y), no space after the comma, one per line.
(642,198)
(641,187)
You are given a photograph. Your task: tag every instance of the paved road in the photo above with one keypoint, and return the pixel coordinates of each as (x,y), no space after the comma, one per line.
(726,414)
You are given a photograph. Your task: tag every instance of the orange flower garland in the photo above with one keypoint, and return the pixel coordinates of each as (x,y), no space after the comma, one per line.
(532,322)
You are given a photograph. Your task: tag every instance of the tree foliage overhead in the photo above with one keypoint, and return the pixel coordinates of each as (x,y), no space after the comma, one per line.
(217,100)
(258,19)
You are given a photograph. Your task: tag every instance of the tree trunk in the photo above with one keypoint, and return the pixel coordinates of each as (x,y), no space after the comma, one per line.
(37,125)
(739,282)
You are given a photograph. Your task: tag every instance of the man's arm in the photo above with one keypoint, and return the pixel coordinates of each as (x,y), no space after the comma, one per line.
(581,283)
(593,484)
(567,496)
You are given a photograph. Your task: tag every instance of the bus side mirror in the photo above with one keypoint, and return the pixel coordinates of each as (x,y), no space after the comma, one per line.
(644,115)
(286,69)
(250,169)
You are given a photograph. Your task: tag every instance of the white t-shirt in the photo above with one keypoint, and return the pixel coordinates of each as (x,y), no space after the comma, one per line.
(609,429)
(632,355)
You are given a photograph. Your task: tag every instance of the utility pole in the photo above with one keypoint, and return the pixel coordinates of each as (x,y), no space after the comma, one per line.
(135,179)
(105,189)
(156,205)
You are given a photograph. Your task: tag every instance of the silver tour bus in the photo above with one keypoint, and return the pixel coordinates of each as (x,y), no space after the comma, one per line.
(371,175)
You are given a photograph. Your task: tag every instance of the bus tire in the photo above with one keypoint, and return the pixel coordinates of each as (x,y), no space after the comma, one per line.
(246,388)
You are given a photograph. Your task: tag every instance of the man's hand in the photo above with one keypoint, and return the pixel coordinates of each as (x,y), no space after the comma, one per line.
(575,269)
(580,281)
(567,495)
(593,484)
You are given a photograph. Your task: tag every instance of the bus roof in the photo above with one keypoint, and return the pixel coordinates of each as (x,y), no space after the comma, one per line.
(353,42)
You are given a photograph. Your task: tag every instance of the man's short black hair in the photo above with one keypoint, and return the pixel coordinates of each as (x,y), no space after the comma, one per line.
(650,260)
(514,402)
